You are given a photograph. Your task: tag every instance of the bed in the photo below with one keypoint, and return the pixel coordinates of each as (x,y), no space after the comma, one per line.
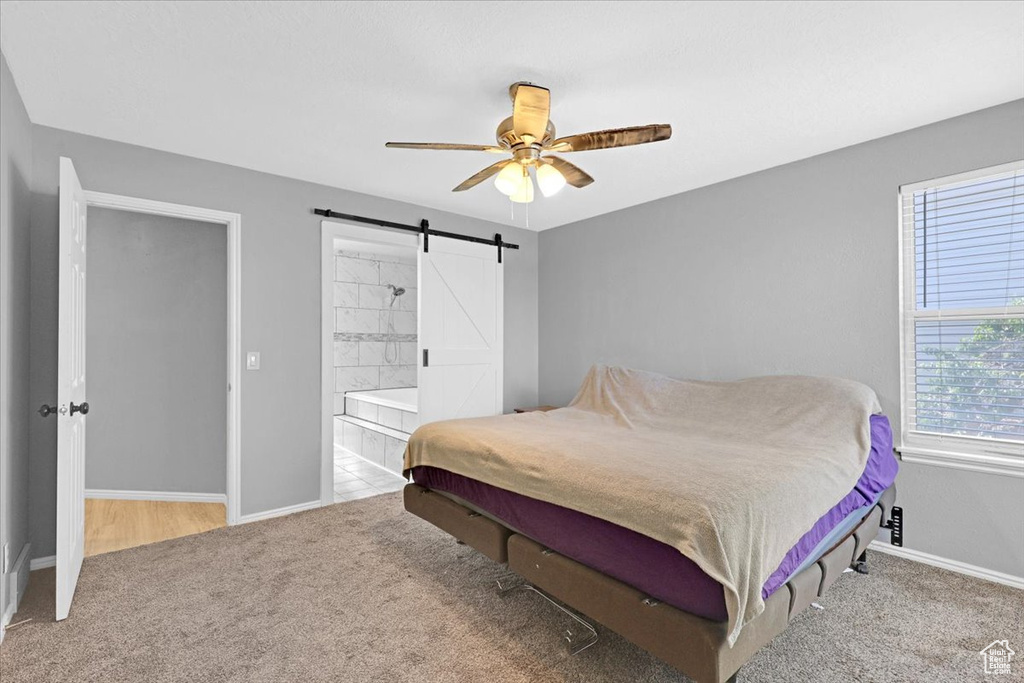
(700,574)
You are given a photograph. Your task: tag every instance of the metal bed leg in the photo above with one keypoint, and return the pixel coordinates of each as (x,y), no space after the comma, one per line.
(577,643)
(861,565)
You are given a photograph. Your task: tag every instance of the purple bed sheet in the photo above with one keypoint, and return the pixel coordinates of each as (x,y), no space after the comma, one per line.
(651,566)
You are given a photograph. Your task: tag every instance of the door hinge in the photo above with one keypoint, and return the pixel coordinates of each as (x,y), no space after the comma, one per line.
(426,358)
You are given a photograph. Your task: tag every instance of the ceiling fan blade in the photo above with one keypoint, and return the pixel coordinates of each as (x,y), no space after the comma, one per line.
(531,106)
(483,175)
(446,146)
(574,175)
(614,137)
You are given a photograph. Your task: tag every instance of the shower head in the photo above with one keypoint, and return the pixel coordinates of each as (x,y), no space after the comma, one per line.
(397,291)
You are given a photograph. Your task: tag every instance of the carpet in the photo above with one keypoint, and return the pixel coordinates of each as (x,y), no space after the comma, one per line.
(363,591)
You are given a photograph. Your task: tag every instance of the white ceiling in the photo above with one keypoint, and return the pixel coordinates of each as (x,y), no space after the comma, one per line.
(313,90)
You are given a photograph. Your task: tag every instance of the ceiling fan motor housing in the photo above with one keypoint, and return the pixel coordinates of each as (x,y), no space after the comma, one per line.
(508,138)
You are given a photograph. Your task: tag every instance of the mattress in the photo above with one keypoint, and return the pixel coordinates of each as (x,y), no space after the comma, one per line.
(651,566)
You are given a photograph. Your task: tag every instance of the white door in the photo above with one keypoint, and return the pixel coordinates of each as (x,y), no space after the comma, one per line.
(71,397)
(460,330)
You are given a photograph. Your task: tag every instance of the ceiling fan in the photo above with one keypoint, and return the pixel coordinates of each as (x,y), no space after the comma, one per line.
(529,136)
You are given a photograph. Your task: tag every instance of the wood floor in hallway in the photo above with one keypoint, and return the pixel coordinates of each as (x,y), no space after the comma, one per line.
(117,524)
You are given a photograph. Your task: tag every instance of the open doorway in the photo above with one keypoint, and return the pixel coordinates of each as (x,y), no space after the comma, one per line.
(411,333)
(161,338)
(155,337)
(372,312)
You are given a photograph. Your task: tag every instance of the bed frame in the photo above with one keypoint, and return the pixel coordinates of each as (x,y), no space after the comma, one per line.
(694,645)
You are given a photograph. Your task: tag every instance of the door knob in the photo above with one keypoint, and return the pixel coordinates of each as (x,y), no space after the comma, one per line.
(46,411)
(82,408)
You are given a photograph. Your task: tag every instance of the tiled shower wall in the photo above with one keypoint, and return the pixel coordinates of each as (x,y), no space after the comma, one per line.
(361,299)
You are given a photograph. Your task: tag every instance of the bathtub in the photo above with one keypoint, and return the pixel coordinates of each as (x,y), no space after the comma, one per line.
(404,399)
(376,425)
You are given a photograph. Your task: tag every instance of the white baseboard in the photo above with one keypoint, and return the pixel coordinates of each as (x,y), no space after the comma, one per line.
(7,617)
(19,575)
(951,565)
(42,563)
(279,512)
(5,620)
(168,496)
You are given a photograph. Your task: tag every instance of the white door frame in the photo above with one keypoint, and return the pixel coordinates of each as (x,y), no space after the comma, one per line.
(329,231)
(233,223)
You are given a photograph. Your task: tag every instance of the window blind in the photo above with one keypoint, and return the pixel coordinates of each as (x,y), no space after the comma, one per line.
(963,312)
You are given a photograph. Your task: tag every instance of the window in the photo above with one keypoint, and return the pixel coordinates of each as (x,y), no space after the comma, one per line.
(963,320)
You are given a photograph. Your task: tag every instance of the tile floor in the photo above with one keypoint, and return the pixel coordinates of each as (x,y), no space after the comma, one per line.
(355,478)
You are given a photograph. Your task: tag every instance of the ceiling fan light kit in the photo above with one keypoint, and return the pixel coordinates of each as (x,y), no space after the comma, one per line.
(529,136)
(509,179)
(549,179)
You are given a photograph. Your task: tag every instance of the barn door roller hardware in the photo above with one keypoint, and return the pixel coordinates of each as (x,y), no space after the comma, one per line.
(895,526)
(423,228)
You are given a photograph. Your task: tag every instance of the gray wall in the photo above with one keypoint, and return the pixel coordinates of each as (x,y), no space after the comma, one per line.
(790,270)
(15,212)
(156,345)
(280,244)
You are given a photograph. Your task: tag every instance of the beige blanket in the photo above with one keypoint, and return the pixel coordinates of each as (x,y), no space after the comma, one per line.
(731,474)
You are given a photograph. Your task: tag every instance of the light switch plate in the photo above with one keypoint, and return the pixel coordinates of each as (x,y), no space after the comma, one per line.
(252,360)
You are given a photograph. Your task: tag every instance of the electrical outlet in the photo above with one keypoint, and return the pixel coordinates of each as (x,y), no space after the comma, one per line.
(252,360)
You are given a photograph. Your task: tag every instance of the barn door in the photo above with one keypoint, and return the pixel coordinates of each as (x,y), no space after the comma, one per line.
(460,330)
(71,397)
